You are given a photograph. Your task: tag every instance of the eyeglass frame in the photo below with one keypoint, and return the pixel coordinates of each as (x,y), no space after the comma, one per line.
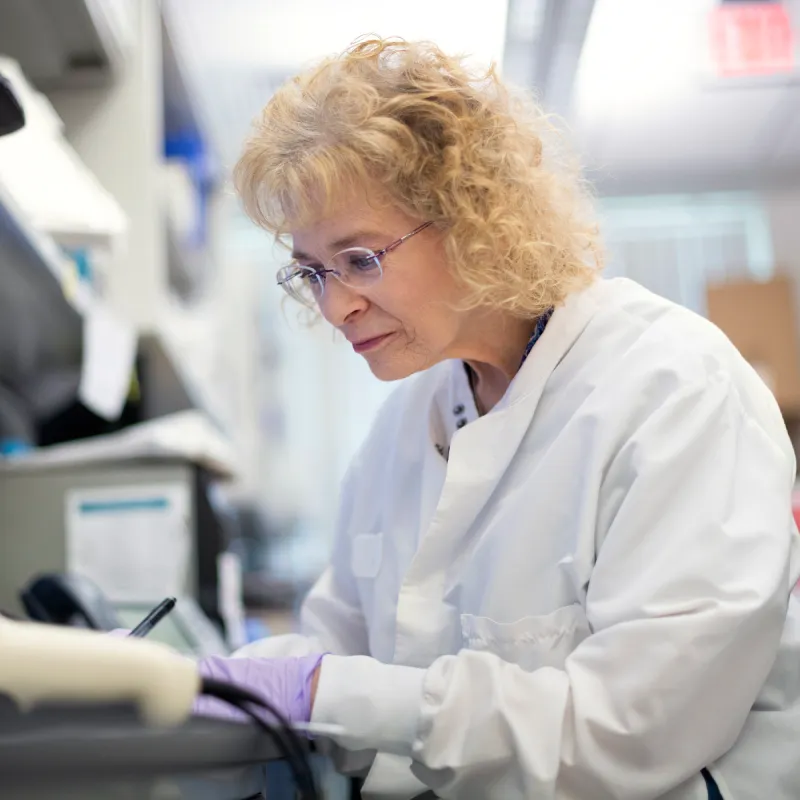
(321,272)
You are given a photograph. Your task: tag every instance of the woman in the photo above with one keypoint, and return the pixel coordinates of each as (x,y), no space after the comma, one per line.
(565,553)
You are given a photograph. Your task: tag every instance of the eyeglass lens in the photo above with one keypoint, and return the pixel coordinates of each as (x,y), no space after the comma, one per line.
(355,267)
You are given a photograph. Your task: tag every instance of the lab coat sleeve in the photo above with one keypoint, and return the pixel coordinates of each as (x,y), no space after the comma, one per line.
(686,605)
(331,620)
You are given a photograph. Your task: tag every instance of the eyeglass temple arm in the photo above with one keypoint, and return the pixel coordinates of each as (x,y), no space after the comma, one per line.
(400,241)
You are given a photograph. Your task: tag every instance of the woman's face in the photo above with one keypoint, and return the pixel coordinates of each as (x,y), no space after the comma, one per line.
(405,322)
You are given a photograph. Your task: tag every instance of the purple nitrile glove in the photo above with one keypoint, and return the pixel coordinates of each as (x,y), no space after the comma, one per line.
(284,682)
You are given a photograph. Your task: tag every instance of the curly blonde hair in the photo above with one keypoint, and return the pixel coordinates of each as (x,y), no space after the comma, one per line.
(447,145)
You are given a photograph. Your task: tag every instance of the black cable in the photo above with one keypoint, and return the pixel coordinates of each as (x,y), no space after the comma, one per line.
(297,760)
(288,742)
(291,746)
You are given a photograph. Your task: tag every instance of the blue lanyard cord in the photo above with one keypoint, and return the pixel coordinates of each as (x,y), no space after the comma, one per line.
(541,324)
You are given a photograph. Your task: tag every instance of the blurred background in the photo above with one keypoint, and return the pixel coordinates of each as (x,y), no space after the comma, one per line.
(167,424)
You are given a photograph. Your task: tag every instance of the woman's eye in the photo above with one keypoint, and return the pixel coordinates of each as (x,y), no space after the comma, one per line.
(362,262)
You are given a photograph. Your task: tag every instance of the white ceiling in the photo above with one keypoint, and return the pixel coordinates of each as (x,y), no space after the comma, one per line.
(649,112)
(237,51)
(652,115)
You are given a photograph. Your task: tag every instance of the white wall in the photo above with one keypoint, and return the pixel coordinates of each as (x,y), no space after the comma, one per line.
(784,212)
(303,400)
(118,132)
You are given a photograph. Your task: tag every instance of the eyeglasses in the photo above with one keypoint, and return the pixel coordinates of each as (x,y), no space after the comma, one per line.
(356,267)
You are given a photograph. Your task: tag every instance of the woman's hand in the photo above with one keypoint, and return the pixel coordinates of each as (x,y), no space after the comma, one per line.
(289,684)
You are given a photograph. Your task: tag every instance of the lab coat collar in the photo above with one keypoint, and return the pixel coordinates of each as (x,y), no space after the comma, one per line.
(497,435)
(565,326)
(480,454)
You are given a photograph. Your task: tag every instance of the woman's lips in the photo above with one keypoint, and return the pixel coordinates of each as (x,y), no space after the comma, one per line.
(371,344)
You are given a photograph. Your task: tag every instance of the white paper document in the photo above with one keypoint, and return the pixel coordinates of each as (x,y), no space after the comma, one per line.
(109,352)
(134,542)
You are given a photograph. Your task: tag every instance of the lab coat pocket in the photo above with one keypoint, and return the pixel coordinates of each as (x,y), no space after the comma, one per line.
(530,642)
(366,555)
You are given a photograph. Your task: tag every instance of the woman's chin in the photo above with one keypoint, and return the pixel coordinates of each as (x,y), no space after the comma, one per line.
(391,369)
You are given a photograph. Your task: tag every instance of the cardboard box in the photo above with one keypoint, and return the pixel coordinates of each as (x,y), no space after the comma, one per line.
(759,318)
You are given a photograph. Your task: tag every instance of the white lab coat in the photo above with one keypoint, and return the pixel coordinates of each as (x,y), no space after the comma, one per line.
(589,600)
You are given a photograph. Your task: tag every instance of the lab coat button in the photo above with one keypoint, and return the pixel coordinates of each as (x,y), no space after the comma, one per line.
(461,423)
(459,409)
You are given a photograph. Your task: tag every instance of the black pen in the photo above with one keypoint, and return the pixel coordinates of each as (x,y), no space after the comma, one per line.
(154,617)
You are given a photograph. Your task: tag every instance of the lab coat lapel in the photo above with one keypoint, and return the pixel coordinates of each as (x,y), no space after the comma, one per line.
(480,453)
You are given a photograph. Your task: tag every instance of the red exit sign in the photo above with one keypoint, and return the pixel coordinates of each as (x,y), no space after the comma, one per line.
(752,39)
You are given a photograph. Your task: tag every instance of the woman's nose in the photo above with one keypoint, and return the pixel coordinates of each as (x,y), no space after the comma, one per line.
(339,302)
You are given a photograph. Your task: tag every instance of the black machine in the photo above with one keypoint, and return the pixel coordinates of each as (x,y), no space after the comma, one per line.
(69,600)
(12,117)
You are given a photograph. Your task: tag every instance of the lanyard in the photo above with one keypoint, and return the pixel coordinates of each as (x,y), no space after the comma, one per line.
(541,324)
